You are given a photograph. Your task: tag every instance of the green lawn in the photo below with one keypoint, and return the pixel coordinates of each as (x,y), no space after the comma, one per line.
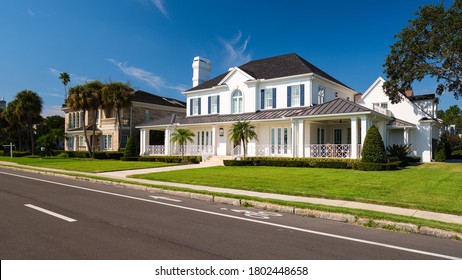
(434,187)
(85,165)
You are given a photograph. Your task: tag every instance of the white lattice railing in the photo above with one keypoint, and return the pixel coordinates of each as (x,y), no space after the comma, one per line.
(328,150)
(193,150)
(155,149)
(270,150)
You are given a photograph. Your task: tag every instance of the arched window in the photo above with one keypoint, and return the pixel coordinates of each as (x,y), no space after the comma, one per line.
(237,103)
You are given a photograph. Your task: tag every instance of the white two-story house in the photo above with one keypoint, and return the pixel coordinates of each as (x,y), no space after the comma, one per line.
(298,111)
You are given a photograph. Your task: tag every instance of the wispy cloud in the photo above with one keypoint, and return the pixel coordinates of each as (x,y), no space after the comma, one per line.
(149,78)
(160,6)
(52,111)
(236,50)
(31,13)
(76,79)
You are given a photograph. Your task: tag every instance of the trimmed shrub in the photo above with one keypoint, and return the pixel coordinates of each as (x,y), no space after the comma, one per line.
(130,148)
(412,159)
(62,155)
(99,155)
(20,154)
(372,166)
(107,155)
(293,162)
(457,154)
(135,158)
(440,154)
(172,159)
(373,148)
(1,152)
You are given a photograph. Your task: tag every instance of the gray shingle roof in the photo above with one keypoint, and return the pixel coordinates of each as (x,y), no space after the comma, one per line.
(142,96)
(399,123)
(274,67)
(333,107)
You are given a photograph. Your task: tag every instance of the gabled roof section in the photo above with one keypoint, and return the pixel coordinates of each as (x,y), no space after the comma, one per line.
(232,71)
(334,107)
(146,97)
(274,67)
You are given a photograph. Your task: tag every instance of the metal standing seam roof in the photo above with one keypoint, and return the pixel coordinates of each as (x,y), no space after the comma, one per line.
(273,67)
(333,107)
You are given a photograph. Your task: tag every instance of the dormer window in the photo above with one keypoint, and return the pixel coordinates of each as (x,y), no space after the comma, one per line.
(321,94)
(237,102)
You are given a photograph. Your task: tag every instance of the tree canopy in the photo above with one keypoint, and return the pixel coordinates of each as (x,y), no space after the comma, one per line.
(452,116)
(242,132)
(431,46)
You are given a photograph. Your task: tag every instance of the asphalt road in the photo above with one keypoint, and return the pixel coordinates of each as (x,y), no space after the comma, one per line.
(104,222)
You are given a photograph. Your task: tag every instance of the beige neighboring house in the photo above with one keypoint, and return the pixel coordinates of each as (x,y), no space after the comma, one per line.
(144,107)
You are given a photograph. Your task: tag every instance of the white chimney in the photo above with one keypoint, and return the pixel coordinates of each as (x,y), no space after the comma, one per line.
(201,70)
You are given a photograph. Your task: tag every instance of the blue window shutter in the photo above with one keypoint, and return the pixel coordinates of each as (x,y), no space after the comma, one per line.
(210,104)
(190,106)
(302,95)
(262,99)
(199,105)
(289,96)
(274,97)
(218,104)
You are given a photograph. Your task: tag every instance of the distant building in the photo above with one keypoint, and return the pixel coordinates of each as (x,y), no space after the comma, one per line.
(3,103)
(144,107)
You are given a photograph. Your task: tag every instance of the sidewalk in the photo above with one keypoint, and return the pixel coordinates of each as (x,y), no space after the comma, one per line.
(449,218)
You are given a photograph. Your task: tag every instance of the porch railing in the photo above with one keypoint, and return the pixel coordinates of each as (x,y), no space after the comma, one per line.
(155,149)
(236,151)
(269,150)
(328,150)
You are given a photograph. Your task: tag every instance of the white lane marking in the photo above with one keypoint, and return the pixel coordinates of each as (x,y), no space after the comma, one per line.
(249,220)
(165,198)
(70,220)
(258,215)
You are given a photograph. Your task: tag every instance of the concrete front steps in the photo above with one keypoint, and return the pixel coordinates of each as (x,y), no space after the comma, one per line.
(218,159)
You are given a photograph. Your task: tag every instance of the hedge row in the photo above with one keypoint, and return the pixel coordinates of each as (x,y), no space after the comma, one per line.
(108,155)
(293,162)
(456,154)
(370,166)
(172,159)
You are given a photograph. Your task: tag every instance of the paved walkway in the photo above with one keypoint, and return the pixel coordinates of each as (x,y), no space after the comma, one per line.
(330,202)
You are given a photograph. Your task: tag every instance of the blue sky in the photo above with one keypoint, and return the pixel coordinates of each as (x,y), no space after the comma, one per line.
(151,43)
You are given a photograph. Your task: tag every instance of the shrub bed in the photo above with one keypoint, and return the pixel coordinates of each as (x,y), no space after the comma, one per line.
(456,154)
(107,155)
(136,158)
(172,159)
(293,162)
(372,166)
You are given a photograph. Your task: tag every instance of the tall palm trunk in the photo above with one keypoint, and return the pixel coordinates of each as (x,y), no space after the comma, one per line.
(86,136)
(31,133)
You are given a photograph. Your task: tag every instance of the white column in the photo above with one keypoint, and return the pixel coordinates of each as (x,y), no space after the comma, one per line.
(307,138)
(142,141)
(294,138)
(354,138)
(406,136)
(214,139)
(167,141)
(365,124)
(76,143)
(301,138)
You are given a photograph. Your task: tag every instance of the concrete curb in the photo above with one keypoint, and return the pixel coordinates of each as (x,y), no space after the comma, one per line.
(338,217)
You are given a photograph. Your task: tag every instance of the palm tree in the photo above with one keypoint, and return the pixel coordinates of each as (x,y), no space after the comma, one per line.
(96,101)
(182,136)
(116,95)
(30,106)
(65,79)
(14,121)
(242,132)
(79,99)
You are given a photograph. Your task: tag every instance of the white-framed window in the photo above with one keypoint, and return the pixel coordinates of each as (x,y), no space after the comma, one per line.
(268,98)
(81,141)
(383,105)
(279,140)
(237,102)
(195,106)
(147,115)
(321,138)
(107,142)
(321,94)
(214,104)
(70,143)
(295,95)
(337,136)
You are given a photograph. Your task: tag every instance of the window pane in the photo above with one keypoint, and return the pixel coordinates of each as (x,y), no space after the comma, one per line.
(295,95)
